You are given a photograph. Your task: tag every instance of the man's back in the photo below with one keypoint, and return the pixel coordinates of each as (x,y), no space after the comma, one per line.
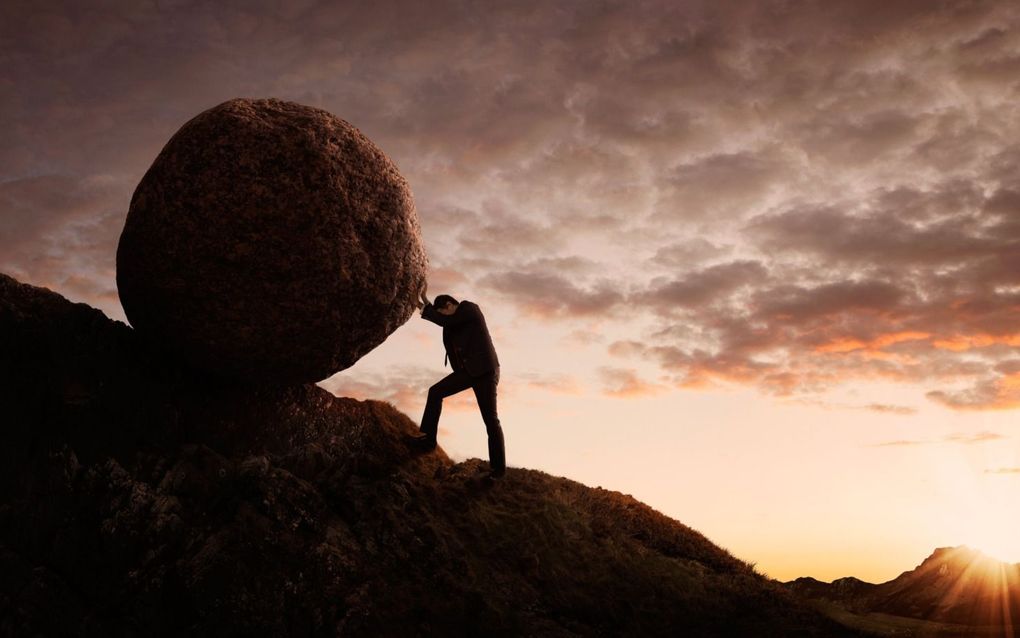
(466,338)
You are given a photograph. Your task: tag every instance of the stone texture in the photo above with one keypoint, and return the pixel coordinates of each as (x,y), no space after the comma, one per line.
(270,242)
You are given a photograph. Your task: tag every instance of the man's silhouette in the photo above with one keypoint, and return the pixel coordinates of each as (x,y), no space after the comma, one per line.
(473,359)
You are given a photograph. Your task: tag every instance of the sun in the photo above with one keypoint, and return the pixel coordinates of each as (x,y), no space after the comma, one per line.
(1000,542)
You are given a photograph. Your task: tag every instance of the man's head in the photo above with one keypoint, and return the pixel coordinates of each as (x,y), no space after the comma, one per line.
(446,304)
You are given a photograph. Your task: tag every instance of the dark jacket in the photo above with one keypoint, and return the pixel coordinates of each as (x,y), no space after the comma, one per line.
(466,338)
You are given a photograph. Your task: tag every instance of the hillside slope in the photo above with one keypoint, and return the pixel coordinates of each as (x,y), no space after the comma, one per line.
(141,498)
(957,585)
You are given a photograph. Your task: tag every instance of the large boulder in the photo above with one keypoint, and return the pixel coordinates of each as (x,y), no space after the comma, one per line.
(270,242)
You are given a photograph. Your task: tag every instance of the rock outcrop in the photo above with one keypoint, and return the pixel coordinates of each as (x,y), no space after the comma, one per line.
(270,242)
(135,501)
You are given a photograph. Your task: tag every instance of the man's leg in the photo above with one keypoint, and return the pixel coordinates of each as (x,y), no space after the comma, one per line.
(485,393)
(450,384)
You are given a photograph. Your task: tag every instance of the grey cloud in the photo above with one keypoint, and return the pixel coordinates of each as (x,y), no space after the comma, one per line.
(788,339)
(500,233)
(61,231)
(903,225)
(725,183)
(574,266)
(987,393)
(552,295)
(888,171)
(688,253)
(793,304)
(701,287)
(33,206)
(955,140)
(861,138)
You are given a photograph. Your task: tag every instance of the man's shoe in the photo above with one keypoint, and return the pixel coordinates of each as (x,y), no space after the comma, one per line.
(422,442)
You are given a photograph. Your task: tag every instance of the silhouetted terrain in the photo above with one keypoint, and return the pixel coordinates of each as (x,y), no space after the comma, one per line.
(960,591)
(140,499)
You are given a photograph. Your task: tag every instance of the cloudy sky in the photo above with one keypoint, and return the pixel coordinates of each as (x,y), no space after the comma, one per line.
(756,264)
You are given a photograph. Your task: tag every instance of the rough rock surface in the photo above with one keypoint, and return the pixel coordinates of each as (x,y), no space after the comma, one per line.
(137,502)
(270,241)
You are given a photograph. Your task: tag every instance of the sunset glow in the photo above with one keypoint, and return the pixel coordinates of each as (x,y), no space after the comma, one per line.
(756,264)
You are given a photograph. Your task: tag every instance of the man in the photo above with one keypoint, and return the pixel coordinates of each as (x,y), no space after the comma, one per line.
(473,359)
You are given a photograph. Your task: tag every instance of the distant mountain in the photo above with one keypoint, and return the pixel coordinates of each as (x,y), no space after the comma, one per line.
(957,585)
(138,498)
(850,591)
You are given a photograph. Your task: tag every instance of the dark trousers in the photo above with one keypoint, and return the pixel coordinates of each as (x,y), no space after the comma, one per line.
(485,392)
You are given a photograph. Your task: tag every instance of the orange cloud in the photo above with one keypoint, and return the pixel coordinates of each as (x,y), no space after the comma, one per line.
(850,344)
(624,383)
(959,343)
(964,438)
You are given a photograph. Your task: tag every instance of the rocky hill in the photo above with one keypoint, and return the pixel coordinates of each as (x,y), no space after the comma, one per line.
(138,497)
(956,586)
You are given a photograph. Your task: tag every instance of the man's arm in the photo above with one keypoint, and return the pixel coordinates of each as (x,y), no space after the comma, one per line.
(466,313)
(430,313)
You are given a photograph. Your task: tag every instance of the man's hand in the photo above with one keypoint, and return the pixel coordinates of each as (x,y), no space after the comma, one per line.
(422,300)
